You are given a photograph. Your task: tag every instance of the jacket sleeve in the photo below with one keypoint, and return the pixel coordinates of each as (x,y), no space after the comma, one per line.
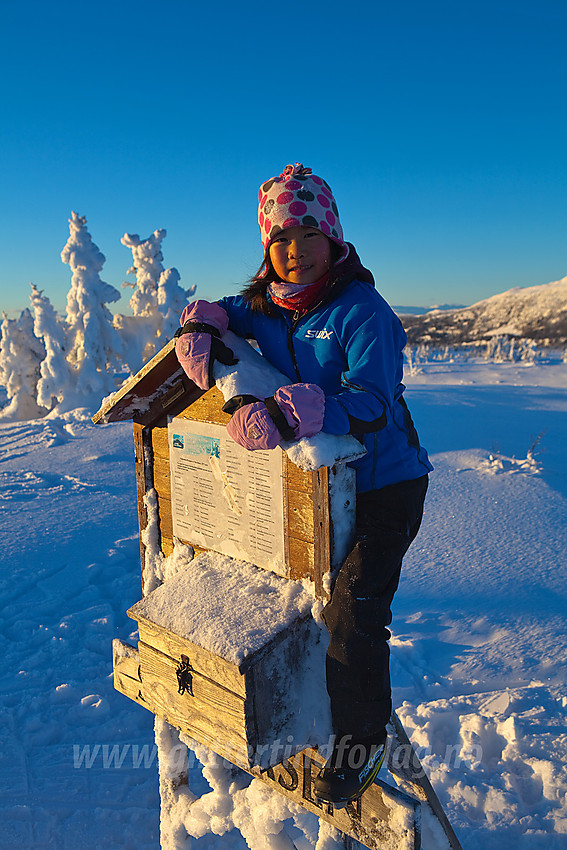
(372,340)
(239,315)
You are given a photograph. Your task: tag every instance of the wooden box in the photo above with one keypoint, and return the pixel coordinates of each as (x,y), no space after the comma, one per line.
(224,655)
(317,505)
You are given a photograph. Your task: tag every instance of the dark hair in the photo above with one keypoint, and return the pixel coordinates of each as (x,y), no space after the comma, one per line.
(254,293)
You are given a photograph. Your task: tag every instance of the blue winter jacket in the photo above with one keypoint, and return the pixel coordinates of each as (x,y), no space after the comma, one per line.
(351,345)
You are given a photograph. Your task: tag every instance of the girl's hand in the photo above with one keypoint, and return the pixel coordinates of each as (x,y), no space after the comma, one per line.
(293,412)
(198,342)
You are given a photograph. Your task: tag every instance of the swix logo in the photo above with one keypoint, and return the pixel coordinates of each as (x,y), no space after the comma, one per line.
(324,334)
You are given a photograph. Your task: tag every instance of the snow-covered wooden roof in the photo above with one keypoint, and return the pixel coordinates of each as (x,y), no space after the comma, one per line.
(150,392)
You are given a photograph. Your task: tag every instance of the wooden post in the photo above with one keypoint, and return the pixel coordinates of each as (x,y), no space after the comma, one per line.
(155,398)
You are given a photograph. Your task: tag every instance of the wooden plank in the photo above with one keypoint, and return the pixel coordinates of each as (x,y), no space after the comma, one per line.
(212,666)
(285,517)
(301,558)
(160,444)
(219,706)
(126,673)
(162,486)
(162,477)
(382,817)
(207,408)
(321,529)
(144,479)
(300,515)
(160,367)
(160,385)
(167,545)
(296,478)
(272,683)
(165,517)
(299,552)
(126,659)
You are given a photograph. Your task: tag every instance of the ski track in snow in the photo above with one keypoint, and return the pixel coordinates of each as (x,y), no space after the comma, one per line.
(478,646)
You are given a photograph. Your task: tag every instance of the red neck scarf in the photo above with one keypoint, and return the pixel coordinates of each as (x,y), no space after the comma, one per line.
(296,296)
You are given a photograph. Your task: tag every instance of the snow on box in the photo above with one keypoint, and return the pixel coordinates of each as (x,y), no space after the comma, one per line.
(230,654)
(228,607)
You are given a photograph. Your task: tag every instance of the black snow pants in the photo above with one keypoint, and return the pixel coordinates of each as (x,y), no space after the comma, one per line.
(358,613)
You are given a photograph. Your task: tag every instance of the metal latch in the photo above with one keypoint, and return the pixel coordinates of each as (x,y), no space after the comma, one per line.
(184,678)
(176,391)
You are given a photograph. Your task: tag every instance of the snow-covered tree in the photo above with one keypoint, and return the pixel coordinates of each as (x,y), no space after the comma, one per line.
(21,353)
(94,343)
(157,300)
(172,298)
(57,379)
(147,267)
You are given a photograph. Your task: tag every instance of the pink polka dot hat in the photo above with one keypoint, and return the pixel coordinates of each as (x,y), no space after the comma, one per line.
(298,198)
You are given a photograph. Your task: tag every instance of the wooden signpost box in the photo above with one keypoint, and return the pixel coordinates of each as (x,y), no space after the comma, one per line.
(223,642)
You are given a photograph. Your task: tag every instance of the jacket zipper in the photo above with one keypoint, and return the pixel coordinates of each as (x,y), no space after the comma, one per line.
(295,321)
(290,330)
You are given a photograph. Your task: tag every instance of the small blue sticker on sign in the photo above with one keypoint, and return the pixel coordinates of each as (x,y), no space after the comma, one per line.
(198,444)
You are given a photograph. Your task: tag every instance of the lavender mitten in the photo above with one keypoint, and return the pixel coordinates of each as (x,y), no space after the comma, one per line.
(253,428)
(198,342)
(303,406)
(292,412)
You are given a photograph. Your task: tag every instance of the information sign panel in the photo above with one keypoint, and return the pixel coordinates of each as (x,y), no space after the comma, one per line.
(224,497)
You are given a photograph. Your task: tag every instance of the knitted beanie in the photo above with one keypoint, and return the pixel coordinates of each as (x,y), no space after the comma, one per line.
(298,198)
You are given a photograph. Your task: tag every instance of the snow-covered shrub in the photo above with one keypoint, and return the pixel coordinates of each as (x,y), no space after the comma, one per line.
(502,349)
(411,358)
(93,343)
(56,377)
(21,353)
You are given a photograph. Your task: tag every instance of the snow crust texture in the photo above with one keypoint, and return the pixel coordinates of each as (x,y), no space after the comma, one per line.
(230,608)
(478,647)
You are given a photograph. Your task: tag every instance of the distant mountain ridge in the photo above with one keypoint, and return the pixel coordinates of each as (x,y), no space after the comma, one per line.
(404,309)
(534,312)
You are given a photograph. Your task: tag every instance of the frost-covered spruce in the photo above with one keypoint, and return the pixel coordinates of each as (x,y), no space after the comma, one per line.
(157,300)
(140,332)
(56,377)
(21,353)
(147,267)
(94,344)
(172,299)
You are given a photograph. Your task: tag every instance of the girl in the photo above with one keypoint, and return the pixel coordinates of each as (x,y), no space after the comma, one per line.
(316,316)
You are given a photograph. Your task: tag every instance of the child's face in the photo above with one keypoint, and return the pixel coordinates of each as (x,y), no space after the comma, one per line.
(300,254)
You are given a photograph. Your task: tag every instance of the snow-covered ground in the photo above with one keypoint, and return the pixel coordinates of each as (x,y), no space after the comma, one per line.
(478,648)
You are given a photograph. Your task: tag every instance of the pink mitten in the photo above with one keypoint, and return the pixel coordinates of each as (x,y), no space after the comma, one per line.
(198,342)
(303,406)
(252,427)
(293,412)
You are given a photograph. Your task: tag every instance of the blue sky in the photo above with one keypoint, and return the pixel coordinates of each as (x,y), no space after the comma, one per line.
(440,126)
